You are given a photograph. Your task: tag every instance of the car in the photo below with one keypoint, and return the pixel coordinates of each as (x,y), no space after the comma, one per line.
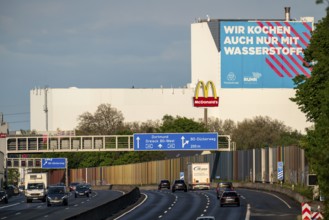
(89,187)
(179,185)
(223,186)
(57,195)
(3,197)
(21,188)
(164,184)
(81,190)
(73,185)
(230,198)
(12,190)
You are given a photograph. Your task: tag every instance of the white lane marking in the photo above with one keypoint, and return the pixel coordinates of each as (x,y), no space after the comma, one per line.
(6,206)
(4,217)
(273,196)
(279,199)
(248,212)
(18,213)
(133,208)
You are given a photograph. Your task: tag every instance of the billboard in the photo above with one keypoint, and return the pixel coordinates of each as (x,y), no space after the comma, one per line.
(263,54)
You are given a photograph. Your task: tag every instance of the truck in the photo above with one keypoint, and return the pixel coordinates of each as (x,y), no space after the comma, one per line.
(36,185)
(198,176)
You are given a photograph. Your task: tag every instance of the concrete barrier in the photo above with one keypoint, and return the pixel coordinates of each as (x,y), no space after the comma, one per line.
(112,207)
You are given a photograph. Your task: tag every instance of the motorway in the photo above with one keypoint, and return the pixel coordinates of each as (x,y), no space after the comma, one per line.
(255,205)
(19,210)
(164,205)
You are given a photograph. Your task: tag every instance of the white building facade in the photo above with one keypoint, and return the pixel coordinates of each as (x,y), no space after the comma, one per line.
(250,80)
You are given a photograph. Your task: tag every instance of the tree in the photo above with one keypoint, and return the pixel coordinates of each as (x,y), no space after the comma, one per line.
(262,132)
(106,121)
(181,124)
(221,127)
(322,1)
(312,97)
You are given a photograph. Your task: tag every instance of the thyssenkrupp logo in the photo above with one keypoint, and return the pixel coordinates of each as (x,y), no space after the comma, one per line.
(205,101)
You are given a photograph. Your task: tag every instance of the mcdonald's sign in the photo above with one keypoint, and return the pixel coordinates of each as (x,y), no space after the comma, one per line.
(205,101)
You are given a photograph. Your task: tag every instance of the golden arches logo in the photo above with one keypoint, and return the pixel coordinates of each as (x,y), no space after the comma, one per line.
(205,101)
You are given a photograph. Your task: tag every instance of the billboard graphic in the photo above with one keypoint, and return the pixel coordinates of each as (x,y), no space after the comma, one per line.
(205,100)
(263,54)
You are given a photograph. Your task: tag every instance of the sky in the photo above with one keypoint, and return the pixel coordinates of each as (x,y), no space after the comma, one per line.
(109,44)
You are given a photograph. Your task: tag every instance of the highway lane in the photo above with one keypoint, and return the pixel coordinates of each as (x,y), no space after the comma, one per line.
(17,208)
(255,205)
(270,205)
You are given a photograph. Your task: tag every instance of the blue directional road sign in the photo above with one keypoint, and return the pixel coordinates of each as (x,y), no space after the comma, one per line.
(175,141)
(53,163)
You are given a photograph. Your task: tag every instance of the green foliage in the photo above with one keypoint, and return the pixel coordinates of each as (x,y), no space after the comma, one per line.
(13,177)
(180,124)
(322,1)
(312,97)
(225,127)
(263,132)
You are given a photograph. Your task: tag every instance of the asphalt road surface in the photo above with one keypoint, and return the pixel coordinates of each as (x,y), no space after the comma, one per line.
(255,205)
(18,209)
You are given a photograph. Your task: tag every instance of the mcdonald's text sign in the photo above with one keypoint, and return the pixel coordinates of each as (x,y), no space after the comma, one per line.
(205,100)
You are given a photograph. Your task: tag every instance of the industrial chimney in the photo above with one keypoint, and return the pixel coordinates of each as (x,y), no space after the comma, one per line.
(287,13)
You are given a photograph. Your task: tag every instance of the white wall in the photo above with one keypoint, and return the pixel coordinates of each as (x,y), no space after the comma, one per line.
(65,105)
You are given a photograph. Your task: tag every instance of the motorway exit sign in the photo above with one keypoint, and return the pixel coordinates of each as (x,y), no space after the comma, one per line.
(175,141)
(53,163)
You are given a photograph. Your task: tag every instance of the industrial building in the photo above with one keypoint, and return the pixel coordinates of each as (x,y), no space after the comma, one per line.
(240,68)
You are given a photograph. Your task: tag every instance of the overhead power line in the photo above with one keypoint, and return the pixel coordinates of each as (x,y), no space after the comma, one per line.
(19,113)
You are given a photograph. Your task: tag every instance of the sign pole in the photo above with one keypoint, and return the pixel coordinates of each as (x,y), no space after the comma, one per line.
(205,116)
(66,174)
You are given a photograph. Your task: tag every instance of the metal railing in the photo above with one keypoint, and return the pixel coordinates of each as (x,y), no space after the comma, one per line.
(40,144)
(43,144)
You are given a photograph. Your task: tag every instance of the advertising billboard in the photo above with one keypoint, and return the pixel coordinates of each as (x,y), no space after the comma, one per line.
(263,54)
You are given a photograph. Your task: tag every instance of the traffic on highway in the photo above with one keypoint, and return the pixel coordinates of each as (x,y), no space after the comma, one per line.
(17,208)
(161,204)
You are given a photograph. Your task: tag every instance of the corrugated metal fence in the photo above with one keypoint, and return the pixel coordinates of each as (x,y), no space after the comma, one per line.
(256,165)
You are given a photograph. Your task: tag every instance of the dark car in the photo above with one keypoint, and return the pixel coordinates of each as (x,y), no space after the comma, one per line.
(89,187)
(73,185)
(223,186)
(230,198)
(3,197)
(21,188)
(179,185)
(12,190)
(164,184)
(81,190)
(57,195)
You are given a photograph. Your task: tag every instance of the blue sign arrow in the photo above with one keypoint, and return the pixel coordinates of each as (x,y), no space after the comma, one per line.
(53,163)
(175,141)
